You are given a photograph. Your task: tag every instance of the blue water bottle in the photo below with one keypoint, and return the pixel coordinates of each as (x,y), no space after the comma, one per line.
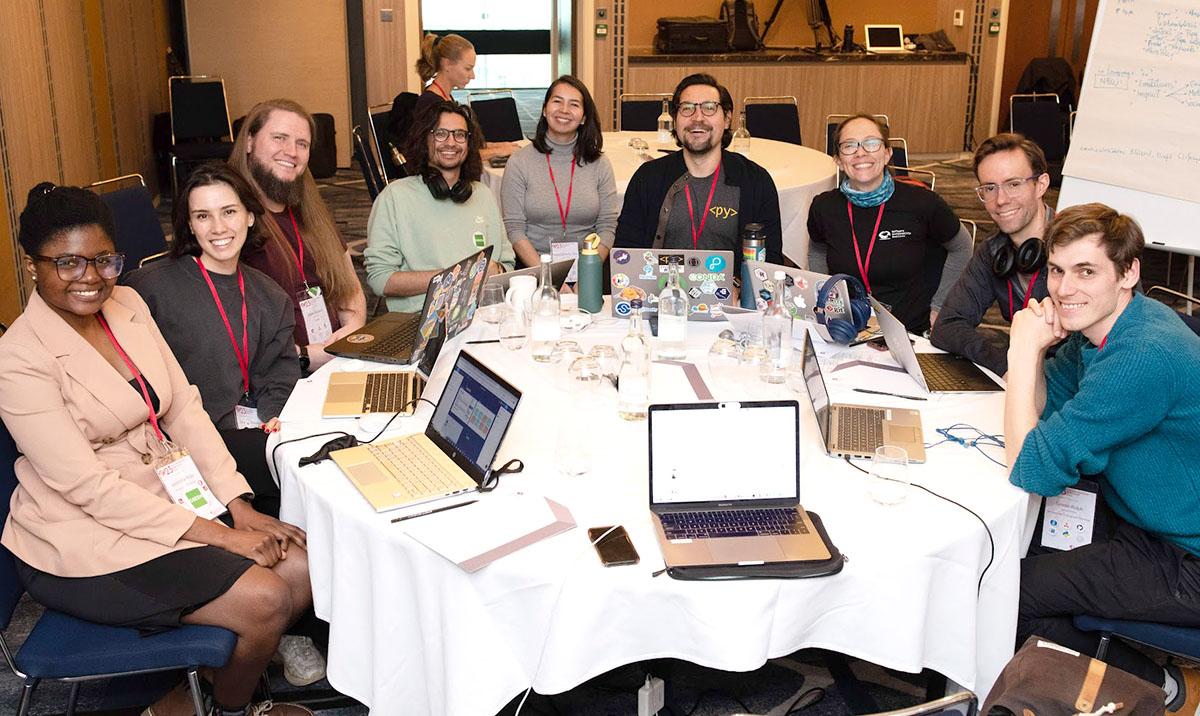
(754,248)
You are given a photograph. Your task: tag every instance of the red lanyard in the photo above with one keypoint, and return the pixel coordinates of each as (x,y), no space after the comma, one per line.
(243,355)
(439,91)
(1028,294)
(687,191)
(133,369)
(570,188)
(1103,342)
(299,255)
(863,268)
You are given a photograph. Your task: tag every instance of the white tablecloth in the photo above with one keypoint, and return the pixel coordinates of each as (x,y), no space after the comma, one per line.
(800,174)
(412,633)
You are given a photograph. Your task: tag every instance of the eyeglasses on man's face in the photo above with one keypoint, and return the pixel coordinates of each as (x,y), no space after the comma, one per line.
(442,134)
(72,268)
(708,109)
(870,145)
(1011,188)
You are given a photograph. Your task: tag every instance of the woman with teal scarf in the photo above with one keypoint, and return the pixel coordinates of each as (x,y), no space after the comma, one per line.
(901,239)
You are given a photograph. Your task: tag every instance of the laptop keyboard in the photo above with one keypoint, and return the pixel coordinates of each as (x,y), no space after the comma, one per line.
(398,343)
(939,375)
(860,429)
(421,473)
(733,523)
(390,392)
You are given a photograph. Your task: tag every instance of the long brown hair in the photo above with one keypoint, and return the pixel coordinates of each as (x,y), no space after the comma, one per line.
(320,231)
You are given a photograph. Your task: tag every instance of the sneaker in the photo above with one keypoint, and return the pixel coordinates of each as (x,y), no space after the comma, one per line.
(302,663)
(1187,701)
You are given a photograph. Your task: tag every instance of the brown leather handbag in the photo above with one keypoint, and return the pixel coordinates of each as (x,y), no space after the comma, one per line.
(1045,679)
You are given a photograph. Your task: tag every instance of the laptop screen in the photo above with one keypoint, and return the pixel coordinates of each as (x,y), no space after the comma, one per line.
(710,452)
(472,415)
(816,388)
(884,37)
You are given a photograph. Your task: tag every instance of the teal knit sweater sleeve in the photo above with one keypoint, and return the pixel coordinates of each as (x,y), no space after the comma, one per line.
(1097,401)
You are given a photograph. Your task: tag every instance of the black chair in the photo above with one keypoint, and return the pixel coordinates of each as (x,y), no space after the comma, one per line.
(366,162)
(1178,641)
(71,650)
(1043,119)
(639,112)
(200,128)
(389,130)
(775,118)
(497,117)
(831,124)
(899,164)
(139,234)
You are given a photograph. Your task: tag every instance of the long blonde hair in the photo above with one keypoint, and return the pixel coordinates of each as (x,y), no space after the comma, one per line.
(320,232)
(434,49)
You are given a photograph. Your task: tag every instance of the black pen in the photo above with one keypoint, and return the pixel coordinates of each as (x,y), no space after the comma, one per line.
(894,395)
(475,343)
(435,511)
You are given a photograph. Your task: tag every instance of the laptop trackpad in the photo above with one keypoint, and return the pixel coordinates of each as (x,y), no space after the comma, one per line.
(367,473)
(903,434)
(344,393)
(745,549)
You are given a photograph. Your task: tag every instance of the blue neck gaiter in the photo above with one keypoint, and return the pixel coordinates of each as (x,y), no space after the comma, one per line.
(880,194)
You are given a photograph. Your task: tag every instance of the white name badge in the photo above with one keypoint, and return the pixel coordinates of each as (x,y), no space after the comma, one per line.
(562,250)
(247,417)
(185,485)
(1070,518)
(315,316)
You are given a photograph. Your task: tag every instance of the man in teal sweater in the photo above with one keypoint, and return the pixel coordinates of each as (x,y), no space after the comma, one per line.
(1119,401)
(423,223)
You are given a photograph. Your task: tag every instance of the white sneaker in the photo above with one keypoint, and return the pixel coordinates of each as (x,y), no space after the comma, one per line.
(302,662)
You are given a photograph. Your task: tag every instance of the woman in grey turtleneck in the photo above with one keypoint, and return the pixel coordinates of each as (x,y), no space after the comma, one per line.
(560,188)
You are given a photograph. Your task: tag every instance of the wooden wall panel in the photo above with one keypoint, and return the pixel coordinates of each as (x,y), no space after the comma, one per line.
(122,47)
(266,49)
(72,116)
(385,45)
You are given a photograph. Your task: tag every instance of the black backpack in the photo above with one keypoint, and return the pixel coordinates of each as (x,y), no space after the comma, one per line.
(742,20)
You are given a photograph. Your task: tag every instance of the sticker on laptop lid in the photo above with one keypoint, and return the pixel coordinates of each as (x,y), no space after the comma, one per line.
(359,338)
(621,256)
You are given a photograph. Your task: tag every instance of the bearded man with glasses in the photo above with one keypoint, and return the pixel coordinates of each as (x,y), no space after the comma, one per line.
(441,214)
(703,196)
(1008,268)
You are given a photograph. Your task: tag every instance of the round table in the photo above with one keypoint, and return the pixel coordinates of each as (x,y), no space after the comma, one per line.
(410,632)
(800,174)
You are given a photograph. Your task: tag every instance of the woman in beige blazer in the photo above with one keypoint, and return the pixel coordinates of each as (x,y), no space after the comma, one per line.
(91,524)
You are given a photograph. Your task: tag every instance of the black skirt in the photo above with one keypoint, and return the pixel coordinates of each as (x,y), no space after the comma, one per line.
(150,597)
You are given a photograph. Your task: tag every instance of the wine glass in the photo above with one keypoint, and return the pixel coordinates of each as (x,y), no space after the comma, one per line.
(889,478)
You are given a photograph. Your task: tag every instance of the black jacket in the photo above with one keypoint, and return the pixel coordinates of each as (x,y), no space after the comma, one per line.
(648,188)
(957,327)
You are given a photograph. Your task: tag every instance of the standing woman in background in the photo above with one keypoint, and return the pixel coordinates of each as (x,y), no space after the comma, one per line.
(446,64)
(888,233)
(560,188)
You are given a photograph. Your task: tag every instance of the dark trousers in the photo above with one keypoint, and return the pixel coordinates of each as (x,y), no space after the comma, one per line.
(1128,574)
(249,450)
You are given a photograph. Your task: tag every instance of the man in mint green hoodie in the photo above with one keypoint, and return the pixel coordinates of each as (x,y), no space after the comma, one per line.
(1119,402)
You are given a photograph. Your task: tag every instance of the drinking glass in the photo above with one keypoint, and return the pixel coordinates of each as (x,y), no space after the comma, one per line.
(573,450)
(514,329)
(889,475)
(491,304)
(723,358)
(606,356)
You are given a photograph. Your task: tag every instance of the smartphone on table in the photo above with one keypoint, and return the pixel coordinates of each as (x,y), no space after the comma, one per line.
(615,549)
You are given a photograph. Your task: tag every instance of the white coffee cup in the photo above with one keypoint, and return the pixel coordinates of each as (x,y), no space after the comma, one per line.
(520,290)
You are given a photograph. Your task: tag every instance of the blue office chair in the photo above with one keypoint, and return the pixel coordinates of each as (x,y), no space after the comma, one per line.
(1183,642)
(139,234)
(71,650)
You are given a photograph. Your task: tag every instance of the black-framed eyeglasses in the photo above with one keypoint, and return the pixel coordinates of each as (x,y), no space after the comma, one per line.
(1012,187)
(708,109)
(441,134)
(71,267)
(870,145)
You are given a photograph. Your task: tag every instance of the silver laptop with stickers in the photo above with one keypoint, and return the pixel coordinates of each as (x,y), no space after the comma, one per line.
(706,277)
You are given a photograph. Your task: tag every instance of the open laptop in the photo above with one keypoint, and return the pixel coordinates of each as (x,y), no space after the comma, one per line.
(355,393)
(802,289)
(559,270)
(450,303)
(856,430)
(885,38)
(455,453)
(706,277)
(709,509)
(935,372)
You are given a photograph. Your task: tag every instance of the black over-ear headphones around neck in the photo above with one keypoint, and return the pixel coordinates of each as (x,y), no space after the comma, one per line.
(1030,256)
(459,193)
